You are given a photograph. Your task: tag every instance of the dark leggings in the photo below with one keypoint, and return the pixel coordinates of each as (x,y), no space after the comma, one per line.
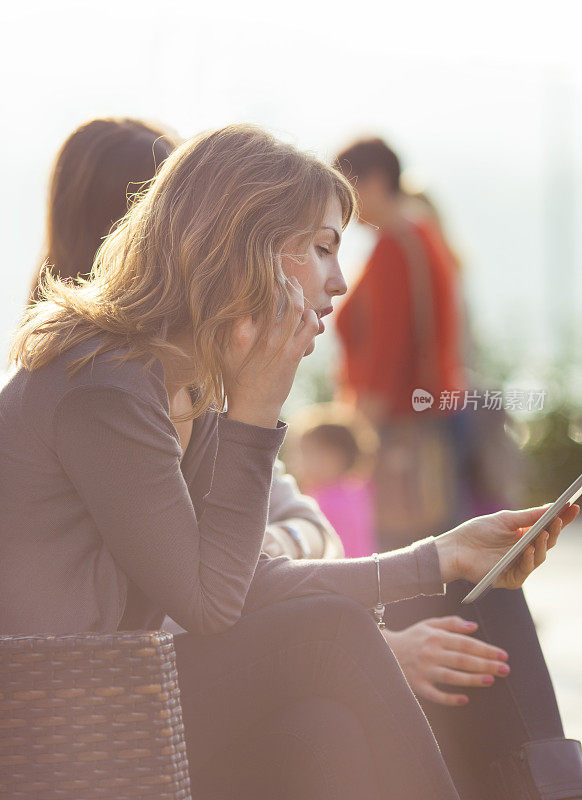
(304,699)
(499,719)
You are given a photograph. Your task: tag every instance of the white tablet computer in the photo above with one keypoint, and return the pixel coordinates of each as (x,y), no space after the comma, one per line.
(567,498)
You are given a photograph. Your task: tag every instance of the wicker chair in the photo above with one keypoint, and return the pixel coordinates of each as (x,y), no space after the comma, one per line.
(91,716)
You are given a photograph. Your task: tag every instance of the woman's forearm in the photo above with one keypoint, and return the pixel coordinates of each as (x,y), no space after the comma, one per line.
(403,573)
(121,455)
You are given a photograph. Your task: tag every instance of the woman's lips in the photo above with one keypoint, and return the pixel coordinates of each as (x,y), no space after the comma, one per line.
(323,313)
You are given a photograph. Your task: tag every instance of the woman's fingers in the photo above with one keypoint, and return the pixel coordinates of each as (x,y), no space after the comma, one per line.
(453,623)
(430,692)
(569,514)
(297,296)
(523,567)
(307,322)
(529,516)
(472,646)
(532,557)
(523,518)
(535,553)
(455,677)
(540,548)
(462,627)
(466,662)
(463,652)
(554,531)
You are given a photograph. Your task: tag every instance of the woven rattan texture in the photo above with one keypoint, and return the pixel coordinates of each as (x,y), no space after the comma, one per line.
(91,716)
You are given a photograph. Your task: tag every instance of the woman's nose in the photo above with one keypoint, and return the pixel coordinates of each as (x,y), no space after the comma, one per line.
(336,284)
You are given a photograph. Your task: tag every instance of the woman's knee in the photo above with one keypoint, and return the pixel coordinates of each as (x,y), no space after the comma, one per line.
(326,741)
(319,722)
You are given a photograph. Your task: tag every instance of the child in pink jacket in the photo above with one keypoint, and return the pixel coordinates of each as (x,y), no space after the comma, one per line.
(334,448)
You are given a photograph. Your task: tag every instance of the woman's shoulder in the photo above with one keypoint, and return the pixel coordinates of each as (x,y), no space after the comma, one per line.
(42,390)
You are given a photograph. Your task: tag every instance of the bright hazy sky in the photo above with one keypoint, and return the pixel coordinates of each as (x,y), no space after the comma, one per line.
(482,103)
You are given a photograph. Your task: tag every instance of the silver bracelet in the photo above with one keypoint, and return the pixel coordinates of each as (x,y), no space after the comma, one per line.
(379,608)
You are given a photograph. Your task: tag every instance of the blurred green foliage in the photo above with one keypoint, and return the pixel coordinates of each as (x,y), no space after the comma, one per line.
(550,440)
(553,452)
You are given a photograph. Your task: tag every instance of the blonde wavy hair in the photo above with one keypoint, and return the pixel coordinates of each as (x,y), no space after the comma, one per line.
(199,250)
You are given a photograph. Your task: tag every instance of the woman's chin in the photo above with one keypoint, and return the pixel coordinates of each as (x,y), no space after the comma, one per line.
(310,349)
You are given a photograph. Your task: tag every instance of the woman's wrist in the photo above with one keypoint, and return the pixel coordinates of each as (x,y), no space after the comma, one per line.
(262,418)
(448,553)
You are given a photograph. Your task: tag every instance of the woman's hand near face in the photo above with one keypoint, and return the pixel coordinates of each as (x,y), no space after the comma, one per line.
(470,550)
(439,651)
(257,392)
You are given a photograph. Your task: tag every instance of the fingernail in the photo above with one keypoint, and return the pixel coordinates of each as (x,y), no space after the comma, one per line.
(487,680)
(462,701)
(502,655)
(469,625)
(503,669)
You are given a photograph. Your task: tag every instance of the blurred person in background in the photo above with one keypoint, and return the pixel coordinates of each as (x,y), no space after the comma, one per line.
(100,167)
(402,329)
(331,450)
(104,406)
(489,470)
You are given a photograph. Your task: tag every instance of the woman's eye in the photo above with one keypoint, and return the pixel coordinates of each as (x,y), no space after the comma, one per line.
(324,250)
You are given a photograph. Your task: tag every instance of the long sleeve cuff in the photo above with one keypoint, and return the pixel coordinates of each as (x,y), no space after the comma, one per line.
(251,435)
(411,571)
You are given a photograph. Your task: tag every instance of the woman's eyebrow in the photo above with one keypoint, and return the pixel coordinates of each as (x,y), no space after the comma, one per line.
(337,236)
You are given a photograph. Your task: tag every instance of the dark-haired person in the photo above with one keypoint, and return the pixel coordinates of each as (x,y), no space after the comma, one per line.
(97,171)
(400,325)
(410,274)
(140,434)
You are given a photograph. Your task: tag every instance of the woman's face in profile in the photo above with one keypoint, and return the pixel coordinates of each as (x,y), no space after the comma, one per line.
(319,272)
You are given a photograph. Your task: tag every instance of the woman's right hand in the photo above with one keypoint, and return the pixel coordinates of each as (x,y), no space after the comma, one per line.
(257,392)
(471,549)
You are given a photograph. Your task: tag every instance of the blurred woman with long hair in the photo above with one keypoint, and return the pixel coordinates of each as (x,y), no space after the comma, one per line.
(140,434)
(97,171)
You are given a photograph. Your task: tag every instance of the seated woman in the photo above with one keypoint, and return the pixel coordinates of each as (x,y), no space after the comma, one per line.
(143,496)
